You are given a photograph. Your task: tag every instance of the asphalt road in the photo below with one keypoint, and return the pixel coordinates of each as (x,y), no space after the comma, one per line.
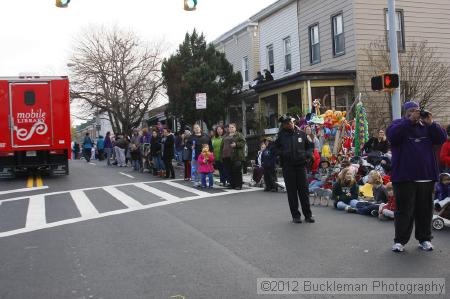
(99,233)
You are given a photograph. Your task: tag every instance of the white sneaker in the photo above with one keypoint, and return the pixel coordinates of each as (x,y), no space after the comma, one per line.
(398,247)
(426,245)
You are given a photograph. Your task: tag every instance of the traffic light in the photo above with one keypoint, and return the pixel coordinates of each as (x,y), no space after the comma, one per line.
(390,81)
(385,82)
(190,5)
(62,3)
(377,83)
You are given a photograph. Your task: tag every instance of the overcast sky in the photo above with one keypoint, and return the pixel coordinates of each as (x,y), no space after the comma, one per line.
(37,37)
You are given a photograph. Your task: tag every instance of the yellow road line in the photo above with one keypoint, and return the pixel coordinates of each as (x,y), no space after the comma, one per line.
(30,181)
(39,182)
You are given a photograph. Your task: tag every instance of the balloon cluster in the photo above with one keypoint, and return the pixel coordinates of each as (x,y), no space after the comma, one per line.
(330,121)
(336,130)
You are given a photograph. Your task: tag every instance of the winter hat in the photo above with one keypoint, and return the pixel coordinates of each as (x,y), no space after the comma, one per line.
(443,175)
(325,160)
(409,105)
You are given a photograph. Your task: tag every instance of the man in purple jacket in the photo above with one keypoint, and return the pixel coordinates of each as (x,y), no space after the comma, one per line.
(414,173)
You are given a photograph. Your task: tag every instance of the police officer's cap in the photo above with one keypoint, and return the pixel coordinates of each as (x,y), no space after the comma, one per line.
(285,118)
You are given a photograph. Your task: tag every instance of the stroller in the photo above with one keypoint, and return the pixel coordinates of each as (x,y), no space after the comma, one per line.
(324,193)
(146,162)
(257,179)
(442,219)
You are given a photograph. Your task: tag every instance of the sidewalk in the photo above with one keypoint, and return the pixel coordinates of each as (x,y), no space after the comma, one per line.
(247,177)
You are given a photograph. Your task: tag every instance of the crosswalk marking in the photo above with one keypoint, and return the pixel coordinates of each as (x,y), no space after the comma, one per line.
(36,211)
(188,189)
(83,204)
(127,175)
(125,199)
(22,190)
(162,194)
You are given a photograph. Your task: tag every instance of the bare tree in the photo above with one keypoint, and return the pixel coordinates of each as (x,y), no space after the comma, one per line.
(113,71)
(424,77)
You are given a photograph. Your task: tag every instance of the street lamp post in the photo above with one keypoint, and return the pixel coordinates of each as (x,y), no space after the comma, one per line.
(393,48)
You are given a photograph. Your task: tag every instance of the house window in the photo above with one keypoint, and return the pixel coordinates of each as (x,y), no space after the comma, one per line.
(287,54)
(252,118)
(314,44)
(270,116)
(399,28)
(344,97)
(338,34)
(270,59)
(245,69)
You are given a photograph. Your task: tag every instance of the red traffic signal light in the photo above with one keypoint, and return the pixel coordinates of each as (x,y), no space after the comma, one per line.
(391,81)
(385,82)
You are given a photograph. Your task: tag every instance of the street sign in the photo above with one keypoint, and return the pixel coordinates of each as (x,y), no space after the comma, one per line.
(200,101)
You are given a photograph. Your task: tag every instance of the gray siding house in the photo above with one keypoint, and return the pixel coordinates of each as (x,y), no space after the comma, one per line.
(327,56)
(241,48)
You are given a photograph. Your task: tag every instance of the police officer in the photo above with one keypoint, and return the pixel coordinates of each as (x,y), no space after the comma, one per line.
(295,150)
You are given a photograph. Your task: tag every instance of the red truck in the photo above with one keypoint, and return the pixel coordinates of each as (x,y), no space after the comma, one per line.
(34,124)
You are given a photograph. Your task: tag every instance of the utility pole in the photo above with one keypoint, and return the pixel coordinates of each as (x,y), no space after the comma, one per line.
(393,48)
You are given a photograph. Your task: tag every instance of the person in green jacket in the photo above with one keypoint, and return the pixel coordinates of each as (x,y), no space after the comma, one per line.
(232,155)
(217,145)
(345,192)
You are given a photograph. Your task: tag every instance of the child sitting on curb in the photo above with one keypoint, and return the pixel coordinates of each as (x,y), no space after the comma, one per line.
(322,185)
(379,196)
(387,211)
(206,166)
(442,193)
(345,191)
(322,176)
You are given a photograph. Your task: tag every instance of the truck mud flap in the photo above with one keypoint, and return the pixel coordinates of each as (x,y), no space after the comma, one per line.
(7,173)
(60,170)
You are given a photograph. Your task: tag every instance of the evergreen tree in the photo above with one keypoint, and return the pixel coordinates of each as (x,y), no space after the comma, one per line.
(197,67)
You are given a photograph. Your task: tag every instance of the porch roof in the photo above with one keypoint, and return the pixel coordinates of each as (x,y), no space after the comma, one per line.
(304,76)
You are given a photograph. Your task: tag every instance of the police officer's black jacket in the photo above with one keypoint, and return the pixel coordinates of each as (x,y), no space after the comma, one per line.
(293,147)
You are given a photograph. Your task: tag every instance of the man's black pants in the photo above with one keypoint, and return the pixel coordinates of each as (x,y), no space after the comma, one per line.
(414,205)
(297,188)
(234,169)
